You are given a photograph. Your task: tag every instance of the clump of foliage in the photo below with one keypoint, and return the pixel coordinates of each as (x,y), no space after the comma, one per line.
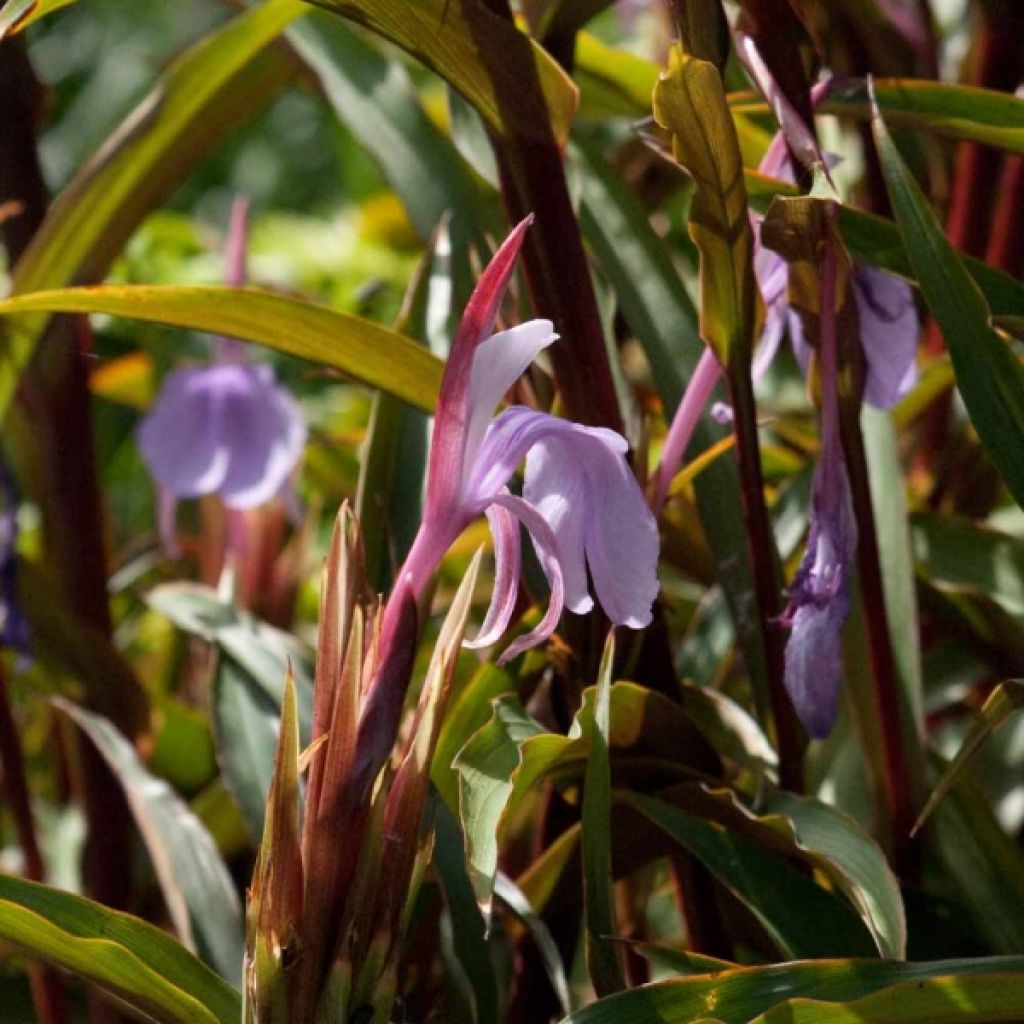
(512,512)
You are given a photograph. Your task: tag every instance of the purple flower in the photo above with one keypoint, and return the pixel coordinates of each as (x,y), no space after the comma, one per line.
(581,503)
(227,429)
(15,634)
(818,597)
(889,324)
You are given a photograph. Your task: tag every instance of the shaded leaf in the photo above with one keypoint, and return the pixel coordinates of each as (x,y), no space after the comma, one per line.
(197,888)
(802,919)
(999,706)
(604,956)
(989,376)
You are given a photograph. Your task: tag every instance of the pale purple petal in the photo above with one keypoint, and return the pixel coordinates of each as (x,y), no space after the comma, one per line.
(546,546)
(819,599)
(507,560)
(554,485)
(227,429)
(451,421)
(266,434)
(814,663)
(181,438)
(592,483)
(497,364)
(889,331)
(772,274)
(621,539)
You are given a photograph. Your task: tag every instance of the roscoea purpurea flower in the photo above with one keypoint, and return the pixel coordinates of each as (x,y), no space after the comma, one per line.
(889,324)
(580,502)
(227,428)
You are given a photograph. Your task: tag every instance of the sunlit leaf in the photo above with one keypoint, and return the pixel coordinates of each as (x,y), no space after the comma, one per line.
(17,15)
(137,965)
(738,995)
(368,352)
(689,102)
(476,51)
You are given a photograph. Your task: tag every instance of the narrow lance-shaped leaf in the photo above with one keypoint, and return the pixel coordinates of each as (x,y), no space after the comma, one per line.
(989,376)
(604,957)
(904,993)
(137,965)
(199,892)
(366,351)
(17,15)
(452,38)
(1000,705)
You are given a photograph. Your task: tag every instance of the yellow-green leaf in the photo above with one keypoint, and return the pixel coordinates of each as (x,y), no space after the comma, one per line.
(367,352)
(689,102)
(476,51)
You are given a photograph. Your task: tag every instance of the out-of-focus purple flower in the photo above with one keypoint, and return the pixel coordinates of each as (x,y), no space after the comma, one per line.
(15,634)
(889,323)
(227,429)
(818,598)
(581,503)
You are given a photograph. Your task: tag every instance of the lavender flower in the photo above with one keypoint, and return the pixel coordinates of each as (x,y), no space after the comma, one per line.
(228,428)
(581,503)
(818,598)
(889,324)
(15,634)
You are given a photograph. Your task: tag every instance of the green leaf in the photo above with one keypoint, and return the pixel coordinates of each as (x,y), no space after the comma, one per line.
(197,887)
(958,1000)
(999,706)
(836,845)
(476,51)
(17,15)
(217,84)
(689,102)
(63,640)
(739,995)
(469,930)
(801,918)
(248,688)
(468,713)
(895,553)
(955,111)
(984,862)
(989,376)
(374,98)
(485,766)
(962,554)
(604,955)
(368,352)
(134,963)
